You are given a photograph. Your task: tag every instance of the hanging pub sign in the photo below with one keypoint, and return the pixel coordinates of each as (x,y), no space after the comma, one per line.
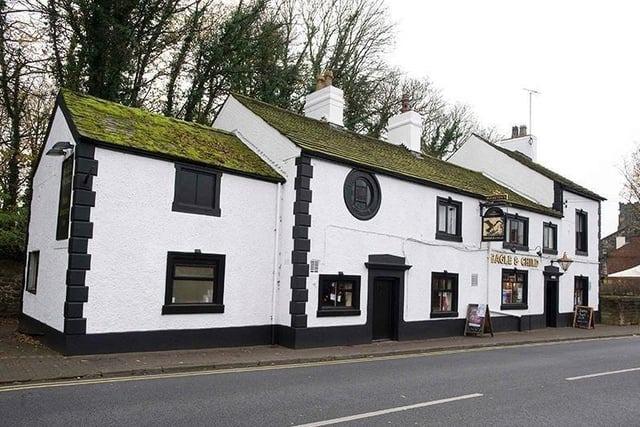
(493,225)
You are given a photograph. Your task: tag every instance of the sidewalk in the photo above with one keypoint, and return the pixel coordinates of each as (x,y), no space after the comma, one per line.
(23,359)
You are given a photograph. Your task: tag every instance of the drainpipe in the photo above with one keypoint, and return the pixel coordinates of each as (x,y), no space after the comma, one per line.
(276,257)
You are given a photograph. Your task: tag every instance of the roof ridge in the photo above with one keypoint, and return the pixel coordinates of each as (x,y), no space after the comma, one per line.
(387,144)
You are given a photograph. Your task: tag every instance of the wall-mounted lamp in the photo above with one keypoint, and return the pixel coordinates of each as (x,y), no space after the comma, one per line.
(564,261)
(60,148)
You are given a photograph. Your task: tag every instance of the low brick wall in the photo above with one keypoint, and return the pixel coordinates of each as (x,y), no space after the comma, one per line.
(10,287)
(620,301)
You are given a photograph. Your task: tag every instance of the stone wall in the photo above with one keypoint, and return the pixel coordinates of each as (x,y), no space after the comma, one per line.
(10,287)
(620,301)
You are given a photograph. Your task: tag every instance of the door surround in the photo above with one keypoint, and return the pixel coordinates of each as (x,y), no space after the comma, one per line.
(551,274)
(389,267)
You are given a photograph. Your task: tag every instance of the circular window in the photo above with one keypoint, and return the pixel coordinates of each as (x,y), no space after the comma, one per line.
(362,194)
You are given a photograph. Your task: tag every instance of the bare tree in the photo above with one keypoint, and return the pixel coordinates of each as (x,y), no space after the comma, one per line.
(631,174)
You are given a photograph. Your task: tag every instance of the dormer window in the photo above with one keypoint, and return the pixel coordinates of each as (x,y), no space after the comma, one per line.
(197,190)
(449,220)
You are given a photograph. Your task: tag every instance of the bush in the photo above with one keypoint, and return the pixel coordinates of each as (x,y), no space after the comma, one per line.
(13,231)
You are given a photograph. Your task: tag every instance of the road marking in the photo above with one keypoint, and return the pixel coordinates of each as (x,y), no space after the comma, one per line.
(196,373)
(602,374)
(389,411)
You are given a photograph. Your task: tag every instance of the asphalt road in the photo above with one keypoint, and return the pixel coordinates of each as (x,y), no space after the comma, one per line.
(506,386)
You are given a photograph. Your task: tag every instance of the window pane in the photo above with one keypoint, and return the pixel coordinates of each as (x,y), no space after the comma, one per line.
(451,219)
(64,202)
(205,185)
(513,288)
(337,294)
(194,271)
(186,182)
(442,217)
(328,294)
(192,291)
(32,273)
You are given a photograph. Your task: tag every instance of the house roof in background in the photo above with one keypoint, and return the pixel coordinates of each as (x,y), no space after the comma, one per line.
(134,129)
(326,140)
(542,170)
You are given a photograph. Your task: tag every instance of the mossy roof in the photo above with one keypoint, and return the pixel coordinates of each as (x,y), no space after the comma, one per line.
(321,138)
(138,130)
(554,176)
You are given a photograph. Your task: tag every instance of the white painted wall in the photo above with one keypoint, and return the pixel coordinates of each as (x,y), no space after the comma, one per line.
(134,228)
(47,305)
(477,155)
(527,145)
(280,152)
(405,226)
(582,265)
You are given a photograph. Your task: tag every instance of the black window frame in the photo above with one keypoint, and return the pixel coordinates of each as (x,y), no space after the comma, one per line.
(524,305)
(511,245)
(434,294)
(554,227)
(64,200)
(196,259)
(178,206)
(326,311)
(348,194)
(582,244)
(444,235)
(584,284)
(30,261)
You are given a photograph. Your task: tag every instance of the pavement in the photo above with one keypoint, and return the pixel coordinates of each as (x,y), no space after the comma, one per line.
(574,383)
(25,359)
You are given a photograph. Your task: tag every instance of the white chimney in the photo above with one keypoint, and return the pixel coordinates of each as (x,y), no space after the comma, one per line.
(327,102)
(406,128)
(522,142)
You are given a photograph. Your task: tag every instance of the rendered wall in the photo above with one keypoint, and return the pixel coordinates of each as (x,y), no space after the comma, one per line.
(47,305)
(134,228)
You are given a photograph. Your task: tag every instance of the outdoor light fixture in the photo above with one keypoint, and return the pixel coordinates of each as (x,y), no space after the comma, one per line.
(60,148)
(564,261)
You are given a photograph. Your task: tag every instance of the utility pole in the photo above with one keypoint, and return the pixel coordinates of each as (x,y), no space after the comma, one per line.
(531,93)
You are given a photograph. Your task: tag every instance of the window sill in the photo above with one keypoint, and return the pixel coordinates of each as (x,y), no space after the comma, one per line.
(514,306)
(449,237)
(192,308)
(582,253)
(550,251)
(178,207)
(515,247)
(440,314)
(338,312)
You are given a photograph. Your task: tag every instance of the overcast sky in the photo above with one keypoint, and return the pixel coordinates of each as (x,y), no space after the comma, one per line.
(582,56)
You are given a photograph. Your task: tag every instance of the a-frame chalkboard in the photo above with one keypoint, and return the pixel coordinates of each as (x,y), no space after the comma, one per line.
(478,320)
(583,317)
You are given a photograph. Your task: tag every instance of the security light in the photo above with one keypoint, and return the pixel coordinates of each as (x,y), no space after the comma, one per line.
(60,148)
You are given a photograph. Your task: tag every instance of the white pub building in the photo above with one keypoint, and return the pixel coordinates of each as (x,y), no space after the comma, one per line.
(150,233)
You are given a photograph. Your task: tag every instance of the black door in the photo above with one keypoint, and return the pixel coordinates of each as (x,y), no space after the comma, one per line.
(551,302)
(384,309)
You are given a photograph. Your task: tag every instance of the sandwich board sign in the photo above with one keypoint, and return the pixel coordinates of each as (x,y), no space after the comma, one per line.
(478,320)
(583,317)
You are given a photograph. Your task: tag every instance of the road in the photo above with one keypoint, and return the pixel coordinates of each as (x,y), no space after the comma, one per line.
(554,384)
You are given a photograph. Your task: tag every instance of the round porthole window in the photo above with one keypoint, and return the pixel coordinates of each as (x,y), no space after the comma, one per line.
(362,194)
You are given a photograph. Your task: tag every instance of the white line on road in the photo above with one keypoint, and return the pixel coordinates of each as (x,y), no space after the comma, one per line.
(602,374)
(389,411)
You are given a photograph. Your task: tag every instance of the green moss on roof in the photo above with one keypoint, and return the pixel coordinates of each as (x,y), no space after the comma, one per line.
(140,130)
(554,176)
(320,137)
